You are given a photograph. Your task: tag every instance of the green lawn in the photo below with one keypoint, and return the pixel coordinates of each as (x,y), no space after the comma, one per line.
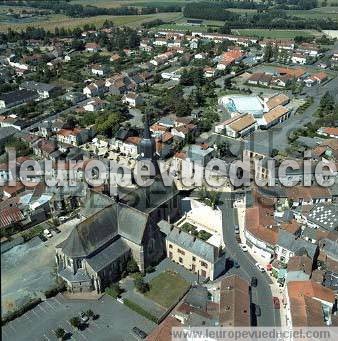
(167,288)
(282,34)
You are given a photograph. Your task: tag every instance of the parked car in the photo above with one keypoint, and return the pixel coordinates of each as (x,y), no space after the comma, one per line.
(243,247)
(236,229)
(254,281)
(258,310)
(43,238)
(260,267)
(63,218)
(47,233)
(56,230)
(276,302)
(236,264)
(139,333)
(84,317)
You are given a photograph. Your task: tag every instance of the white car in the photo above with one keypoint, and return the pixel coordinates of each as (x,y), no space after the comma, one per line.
(260,267)
(243,247)
(47,233)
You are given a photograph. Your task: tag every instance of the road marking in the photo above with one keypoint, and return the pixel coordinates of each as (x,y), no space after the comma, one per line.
(57,301)
(52,307)
(46,337)
(45,311)
(35,313)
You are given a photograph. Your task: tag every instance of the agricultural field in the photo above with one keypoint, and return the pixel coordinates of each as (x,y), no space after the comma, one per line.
(274,34)
(137,3)
(316,13)
(59,20)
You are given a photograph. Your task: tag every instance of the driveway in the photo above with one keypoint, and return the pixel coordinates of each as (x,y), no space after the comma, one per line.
(115,321)
(261,295)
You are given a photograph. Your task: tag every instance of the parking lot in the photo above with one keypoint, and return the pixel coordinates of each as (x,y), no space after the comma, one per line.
(27,269)
(114,319)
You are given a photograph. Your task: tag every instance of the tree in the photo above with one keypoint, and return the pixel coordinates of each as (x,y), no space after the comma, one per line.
(132,266)
(227,83)
(90,313)
(140,284)
(75,322)
(327,102)
(268,53)
(60,333)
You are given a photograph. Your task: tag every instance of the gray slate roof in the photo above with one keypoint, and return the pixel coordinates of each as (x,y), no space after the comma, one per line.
(91,234)
(79,276)
(164,226)
(194,245)
(299,246)
(108,255)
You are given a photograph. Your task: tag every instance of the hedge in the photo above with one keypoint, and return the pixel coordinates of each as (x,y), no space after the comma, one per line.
(135,307)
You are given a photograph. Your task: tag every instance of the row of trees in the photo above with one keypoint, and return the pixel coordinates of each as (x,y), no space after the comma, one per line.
(80,11)
(273,18)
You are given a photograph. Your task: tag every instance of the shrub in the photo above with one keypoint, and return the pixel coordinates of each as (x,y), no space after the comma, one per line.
(60,333)
(135,307)
(114,290)
(132,266)
(150,269)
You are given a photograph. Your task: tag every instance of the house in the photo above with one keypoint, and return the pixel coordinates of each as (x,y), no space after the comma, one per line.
(275,116)
(183,131)
(225,303)
(96,88)
(44,90)
(118,84)
(288,245)
(133,99)
(308,304)
(320,77)
(238,126)
(94,104)
(228,58)
(209,72)
(195,254)
(114,57)
(200,153)
(16,97)
(44,148)
(92,47)
(261,231)
(11,191)
(281,81)
(74,136)
(295,73)
(299,268)
(299,58)
(328,131)
(12,121)
(328,253)
(311,49)
(99,70)
(260,78)
(75,97)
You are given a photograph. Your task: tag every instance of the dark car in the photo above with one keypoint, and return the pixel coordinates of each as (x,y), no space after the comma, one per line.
(140,333)
(257,310)
(276,302)
(56,230)
(254,281)
(43,238)
(236,264)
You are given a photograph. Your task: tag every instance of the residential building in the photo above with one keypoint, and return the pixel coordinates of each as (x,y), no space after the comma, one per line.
(309,304)
(44,90)
(195,254)
(13,98)
(133,99)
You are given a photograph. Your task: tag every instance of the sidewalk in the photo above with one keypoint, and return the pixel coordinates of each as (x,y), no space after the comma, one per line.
(82,295)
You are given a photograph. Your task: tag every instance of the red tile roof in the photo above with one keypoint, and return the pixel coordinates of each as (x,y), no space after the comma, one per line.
(9,216)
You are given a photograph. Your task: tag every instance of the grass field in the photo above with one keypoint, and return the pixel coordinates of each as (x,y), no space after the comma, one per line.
(167,288)
(118,3)
(59,20)
(282,34)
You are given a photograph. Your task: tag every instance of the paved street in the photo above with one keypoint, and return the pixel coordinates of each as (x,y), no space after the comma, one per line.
(115,321)
(261,295)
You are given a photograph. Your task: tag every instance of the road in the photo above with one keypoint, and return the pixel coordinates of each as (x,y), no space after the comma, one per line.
(278,136)
(261,295)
